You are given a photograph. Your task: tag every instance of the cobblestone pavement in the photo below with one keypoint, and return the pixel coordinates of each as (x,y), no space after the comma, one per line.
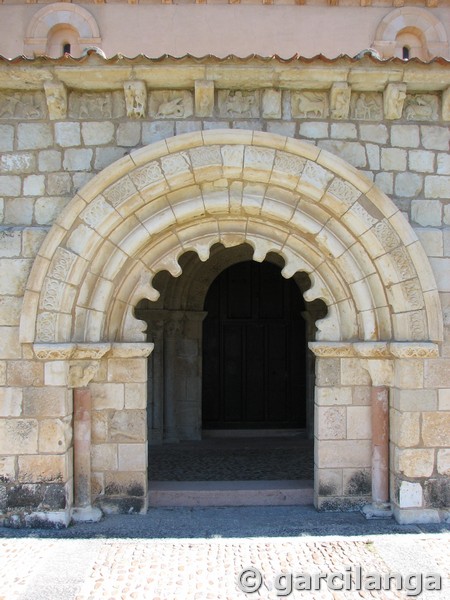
(144,557)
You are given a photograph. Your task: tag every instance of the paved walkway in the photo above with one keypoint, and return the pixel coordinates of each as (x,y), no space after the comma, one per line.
(198,554)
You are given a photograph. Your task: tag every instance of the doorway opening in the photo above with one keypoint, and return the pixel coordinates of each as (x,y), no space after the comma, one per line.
(231,382)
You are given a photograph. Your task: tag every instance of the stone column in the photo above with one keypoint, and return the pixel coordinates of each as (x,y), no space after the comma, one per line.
(380,446)
(172,333)
(82,407)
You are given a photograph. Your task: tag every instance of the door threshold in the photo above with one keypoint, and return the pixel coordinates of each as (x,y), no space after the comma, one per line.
(254,433)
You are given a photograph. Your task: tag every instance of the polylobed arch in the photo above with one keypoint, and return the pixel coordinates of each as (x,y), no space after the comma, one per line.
(425,26)
(232,187)
(46,21)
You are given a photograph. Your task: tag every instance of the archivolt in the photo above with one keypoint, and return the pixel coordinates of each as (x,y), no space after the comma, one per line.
(231,187)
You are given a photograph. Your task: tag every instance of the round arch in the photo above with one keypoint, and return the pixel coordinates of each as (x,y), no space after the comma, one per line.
(421,22)
(187,193)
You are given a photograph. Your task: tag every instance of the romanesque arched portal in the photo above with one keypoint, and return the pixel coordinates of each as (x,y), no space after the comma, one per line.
(276,194)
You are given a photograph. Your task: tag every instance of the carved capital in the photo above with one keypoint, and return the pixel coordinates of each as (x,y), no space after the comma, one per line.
(414,350)
(82,373)
(393,99)
(56,96)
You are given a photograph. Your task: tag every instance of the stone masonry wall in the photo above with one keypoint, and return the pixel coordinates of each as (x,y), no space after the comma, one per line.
(44,162)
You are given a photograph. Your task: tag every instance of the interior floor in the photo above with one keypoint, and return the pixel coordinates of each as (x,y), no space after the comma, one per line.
(233,459)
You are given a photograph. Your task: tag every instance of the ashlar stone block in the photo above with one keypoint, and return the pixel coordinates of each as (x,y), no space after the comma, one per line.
(414,462)
(436,429)
(18,436)
(410,495)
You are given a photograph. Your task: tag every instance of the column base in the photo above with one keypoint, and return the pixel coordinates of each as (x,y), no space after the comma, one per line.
(377,511)
(87,514)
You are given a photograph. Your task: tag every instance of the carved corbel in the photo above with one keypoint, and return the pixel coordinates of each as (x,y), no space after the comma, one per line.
(135,99)
(204,98)
(82,373)
(393,99)
(446,105)
(56,96)
(340,94)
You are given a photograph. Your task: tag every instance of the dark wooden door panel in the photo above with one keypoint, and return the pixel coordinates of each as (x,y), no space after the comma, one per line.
(254,350)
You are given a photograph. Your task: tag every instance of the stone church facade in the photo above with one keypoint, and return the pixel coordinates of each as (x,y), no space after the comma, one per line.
(128,184)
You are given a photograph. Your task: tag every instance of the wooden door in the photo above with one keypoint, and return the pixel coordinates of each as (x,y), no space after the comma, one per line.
(254,350)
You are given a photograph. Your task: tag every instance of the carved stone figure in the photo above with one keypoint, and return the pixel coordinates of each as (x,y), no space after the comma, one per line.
(446,105)
(56,96)
(240,104)
(90,106)
(394,98)
(340,94)
(204,98)
(368,107)
(421,108)
(309,104)
(171,104)
(135,99)
(271,104)
(21,105)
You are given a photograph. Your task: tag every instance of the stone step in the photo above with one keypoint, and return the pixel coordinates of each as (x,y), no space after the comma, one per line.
(230,493)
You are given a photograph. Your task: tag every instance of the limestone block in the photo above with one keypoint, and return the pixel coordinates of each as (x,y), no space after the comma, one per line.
(55,373)
(41,402)
(421,161)
(10,185)
(410,495)
(10,243)
(405,136)
(441,270)
(286,128)
(406,429)
(373,156)
(443,462)
(6,138)
(59,184)
(356,482)
(329,482)
(443,163)
(157,130)
(171,104)
(95,133)
(415,400)
(77,159)
(24,373)
(437,186)
(344,131)
(15,273)
(106,156)
(56,97)
(432,240)
(128,426)
(47,209)
(10,402)
(67,134)
(99,426)
(446,105)
(18,436)
(314,130)
(393,100)
(127,370)
(328,372)
(374,133)
(271,104)
(359,423)
(187,127)
(340,95)
(18,163)
(436,428)
(135,99)
(385,181)
(330,422)
(135,395)
(104,457)
(393,159)
(125,484)
(408,373)
(34,136)
(107,395)
(204,98)
(207,125)
(55,435)
(426,212)
(414,462)
(3,372)
(7,469)
(128,134)
(344,454)
(49,161)
(327,396)
(43,469)
(444,399)
(132,457)
(34,185)
(10,346)
(239,104)
(434,137)
(2,210)
(408,185)
(447,215)
(353,372)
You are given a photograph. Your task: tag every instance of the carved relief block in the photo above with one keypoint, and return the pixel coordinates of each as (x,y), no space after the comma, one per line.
(56,96)
(91,105)
(61,264)
(22,105)
(367,106)
(446,105)
(120,191)
(173,104)
(271,104)
(135,99)
(46,327)
(421,107)
(239,104)
(204,98)
(340,95)
(403,263)
(306,105)
(52,293)
(393,99)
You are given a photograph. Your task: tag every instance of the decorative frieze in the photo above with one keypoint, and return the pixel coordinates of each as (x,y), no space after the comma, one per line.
(172,104)
(90,105)
(309,105)
(374,350)
(367,106)
(239,104)
(22,105)
(421,107)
